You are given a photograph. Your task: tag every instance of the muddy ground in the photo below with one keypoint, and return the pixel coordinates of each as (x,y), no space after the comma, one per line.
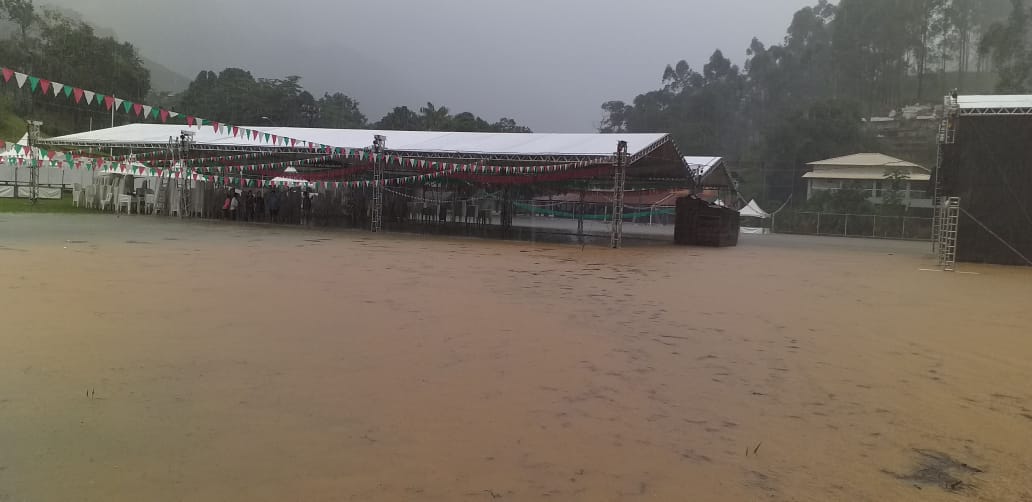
(145,359)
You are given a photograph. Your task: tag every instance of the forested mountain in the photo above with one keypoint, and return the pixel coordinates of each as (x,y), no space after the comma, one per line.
(805,99)
(49,43)
(58,45)
(240,98)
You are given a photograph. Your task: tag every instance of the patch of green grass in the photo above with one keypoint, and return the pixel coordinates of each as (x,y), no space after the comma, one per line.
(12,127)
(62,205)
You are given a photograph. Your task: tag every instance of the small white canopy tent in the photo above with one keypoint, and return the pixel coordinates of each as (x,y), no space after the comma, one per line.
(753,210)
(289,182)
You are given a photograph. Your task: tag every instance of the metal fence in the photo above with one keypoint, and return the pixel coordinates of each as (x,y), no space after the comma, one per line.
(854,225)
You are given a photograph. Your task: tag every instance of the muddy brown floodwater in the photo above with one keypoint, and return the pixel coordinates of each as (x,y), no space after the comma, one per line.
(151,360)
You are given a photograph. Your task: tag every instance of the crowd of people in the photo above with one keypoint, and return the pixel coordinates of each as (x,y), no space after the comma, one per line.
(263,206)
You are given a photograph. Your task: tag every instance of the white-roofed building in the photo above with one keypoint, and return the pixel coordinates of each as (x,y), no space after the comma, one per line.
(870,173)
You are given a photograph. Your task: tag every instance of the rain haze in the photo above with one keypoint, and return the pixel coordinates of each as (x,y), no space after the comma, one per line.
(547,64)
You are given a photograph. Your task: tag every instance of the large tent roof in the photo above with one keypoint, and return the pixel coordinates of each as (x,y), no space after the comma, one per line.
(995,104)
(517,146)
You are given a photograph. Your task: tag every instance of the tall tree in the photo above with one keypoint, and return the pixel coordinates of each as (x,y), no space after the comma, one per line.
(1008,43)
(400,119)
(339,111)
(434,119)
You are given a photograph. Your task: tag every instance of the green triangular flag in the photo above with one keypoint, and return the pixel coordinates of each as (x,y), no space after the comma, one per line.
(33,83)
(68,91)
(266,137)
(100,100)
(128,105)
(154,113)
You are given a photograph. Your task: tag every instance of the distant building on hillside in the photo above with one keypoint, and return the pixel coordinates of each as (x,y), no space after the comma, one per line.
(908,133)
(869,173)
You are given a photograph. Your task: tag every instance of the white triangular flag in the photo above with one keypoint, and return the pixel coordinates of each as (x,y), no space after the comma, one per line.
(89,96)
(118,103)
(21,78)
(57,88)
(146,111)
(172,114)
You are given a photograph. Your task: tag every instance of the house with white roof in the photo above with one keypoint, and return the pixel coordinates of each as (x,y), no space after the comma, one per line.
(870,173)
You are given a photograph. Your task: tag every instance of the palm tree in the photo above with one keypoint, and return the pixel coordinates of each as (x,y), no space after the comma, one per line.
(434,118)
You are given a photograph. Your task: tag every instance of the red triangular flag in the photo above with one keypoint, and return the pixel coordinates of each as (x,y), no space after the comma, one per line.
(163,113)
(8,73)
(51,154)
(215,126)
(293,142)
(77,92)
(109,101)
(236,131)
(44,84)
(189,121)
(138,108)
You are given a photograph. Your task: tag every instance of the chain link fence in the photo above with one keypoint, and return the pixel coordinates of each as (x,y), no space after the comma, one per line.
(853,225)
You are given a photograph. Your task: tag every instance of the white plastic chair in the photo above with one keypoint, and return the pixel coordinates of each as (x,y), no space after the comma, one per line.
(149,202)
(107,197)
(76,197)
(127,201)
(176,202)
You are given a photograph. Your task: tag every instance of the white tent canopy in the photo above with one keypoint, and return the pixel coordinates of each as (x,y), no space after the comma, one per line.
(48,176)
(753,210)
(511,144)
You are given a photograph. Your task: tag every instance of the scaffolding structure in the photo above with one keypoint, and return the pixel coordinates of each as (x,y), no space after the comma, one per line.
(379,166)
(947,136)
(619,189)
(34,161)
(947,239)
(186,139)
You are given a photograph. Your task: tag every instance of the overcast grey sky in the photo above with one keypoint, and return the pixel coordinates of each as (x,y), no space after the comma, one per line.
(549,64)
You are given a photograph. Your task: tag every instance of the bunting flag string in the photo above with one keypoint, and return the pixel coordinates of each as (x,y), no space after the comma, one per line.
(56,159)
(472,172)
(68,160)
(47,87)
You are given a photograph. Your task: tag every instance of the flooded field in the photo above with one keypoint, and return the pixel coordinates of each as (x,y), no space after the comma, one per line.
(155,360)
